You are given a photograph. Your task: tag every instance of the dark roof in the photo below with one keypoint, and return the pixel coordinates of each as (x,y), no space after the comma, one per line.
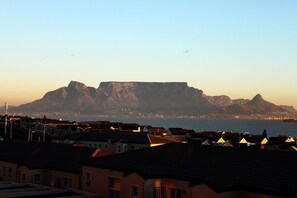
(157,130)
(48,121)
(222,168)
(257,138)
(129,127)
(276,140)
(159,140)
(179,131)
(128,137)
(45,155)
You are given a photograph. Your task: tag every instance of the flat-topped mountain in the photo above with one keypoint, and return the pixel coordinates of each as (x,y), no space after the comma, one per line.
(173,99)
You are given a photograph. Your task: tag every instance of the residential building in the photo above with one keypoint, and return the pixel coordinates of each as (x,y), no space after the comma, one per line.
(56,165)
(11,189)
(114,141)
(192,171)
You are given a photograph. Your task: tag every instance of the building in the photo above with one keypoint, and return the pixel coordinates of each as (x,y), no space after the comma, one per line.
(10,189)
(55,165)
(115,141)
(192,171)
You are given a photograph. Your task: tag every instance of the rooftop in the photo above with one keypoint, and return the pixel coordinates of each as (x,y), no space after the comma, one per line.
(9,189)
(221,168)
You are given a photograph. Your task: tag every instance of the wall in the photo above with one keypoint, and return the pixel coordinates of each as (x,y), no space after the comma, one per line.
(56,179)
(98,180)
(168,184)
(11,172)
(26,172)
(202,191)
(132,180)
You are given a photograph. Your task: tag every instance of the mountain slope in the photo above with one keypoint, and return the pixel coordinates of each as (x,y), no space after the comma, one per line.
(75,97)
(143,98)
(256,106)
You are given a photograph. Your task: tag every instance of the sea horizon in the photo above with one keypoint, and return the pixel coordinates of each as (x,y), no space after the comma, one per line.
(253,126)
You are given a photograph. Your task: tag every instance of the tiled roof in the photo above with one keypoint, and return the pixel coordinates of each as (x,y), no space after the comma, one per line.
(158,140)
(222,168)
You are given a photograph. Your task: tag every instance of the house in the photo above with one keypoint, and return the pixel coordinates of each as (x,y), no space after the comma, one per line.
(212,139)
(116,141)
(179,132)
(279,143)
(259,139)
(244,141)
(190,171)
(158,131)
(130,127)
(56,165)
(219,142)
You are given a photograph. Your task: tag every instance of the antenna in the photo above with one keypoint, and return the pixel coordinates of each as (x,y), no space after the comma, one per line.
(6,115)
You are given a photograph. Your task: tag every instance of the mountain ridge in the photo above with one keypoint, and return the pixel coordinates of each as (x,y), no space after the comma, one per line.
(145,99)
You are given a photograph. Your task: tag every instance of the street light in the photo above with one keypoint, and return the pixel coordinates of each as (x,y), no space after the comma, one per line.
(83,129)
(44,125)
(30,136)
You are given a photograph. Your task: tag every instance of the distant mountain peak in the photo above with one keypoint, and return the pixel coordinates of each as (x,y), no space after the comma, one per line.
(76,84)
(258,97)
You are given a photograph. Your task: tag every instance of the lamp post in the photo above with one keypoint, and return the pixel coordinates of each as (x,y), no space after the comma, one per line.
(84,129)
(44,125)
(31,135)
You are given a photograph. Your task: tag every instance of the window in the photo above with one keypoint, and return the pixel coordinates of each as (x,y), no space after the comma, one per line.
(37,179)
(88,179)
(67,182)
(132,148)
(114,187)
(159,192)
(134,192)
(119,148)
(175,193)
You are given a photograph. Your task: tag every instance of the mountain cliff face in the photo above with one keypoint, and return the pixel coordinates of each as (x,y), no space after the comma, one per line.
(146,99)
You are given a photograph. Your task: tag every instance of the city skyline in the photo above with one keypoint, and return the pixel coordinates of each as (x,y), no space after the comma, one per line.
(229,48)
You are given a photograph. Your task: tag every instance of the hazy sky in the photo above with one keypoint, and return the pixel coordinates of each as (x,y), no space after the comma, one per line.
(238,48)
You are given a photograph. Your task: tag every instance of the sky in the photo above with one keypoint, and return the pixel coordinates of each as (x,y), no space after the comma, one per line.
(230,47)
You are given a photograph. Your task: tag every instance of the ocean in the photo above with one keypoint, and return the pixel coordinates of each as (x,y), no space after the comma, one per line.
(273,127)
